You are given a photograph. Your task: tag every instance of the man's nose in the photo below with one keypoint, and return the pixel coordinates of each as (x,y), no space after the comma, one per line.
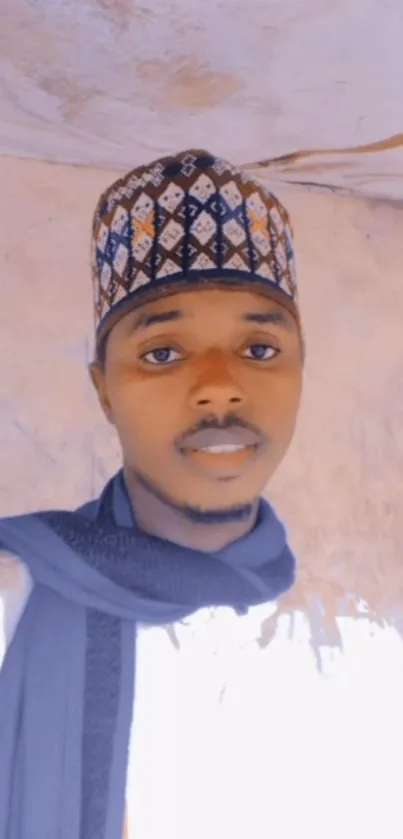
(215,388)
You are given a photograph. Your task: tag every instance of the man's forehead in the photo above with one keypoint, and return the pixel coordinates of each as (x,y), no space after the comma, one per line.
(243,304)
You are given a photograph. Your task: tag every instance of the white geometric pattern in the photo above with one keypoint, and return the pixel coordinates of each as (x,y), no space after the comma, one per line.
(221,166)
(255,203)
(236,263)
(202,189)
(284,284)
(119,220)
(261,242)
(106,275)
(232,195)
(281,255)
(277,220)
(143,207)
(234,232)
(121,293)
(292,267)
(202,263)
(121,257)
(142,247)
(103,236)
(265,271)
(188,165)
(204,227)
(141,279)
(156,175)
(171,197)
(133,184)
(167,268)
(171,235)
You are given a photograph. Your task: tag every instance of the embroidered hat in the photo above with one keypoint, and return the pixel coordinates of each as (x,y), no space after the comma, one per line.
(182,222)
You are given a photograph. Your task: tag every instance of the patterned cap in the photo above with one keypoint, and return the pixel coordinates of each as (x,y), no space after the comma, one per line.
(182,222)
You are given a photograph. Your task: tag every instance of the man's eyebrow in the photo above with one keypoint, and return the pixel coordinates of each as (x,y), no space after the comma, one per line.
(144,321)
(277,318)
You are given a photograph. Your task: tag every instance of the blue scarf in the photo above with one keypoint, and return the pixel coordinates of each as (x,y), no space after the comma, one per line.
(67,682)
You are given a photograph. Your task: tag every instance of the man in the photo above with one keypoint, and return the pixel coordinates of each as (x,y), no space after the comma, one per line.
(137,615)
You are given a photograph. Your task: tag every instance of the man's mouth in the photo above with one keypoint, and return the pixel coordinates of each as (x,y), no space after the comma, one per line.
(222,453)
(228,448)
(221,441)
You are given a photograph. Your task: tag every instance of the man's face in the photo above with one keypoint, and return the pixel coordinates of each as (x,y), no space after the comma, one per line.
(203,388)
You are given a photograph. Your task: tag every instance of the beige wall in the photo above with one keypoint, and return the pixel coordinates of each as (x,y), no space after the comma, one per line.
(117,82)
(341,487)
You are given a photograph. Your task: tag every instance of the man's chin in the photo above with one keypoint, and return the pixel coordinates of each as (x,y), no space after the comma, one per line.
(220,515)
(198,512)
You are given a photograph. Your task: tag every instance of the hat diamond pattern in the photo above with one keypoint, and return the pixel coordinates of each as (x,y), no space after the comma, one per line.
(188,217)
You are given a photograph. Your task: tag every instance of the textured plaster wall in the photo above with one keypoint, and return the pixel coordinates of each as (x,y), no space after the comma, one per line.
(113,82)
(339,489)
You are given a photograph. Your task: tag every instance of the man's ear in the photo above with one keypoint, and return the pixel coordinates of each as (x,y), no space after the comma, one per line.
(98,378)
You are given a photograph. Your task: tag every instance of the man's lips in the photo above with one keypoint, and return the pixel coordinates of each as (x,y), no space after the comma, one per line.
(220,440)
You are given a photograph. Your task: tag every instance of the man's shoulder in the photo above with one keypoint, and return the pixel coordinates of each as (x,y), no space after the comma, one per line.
(11,564)
(13,569)
(10,570)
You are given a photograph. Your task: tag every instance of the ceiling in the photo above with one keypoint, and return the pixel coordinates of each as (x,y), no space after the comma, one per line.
(115,83)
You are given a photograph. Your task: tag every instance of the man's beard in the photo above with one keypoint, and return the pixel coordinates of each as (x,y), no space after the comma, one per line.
(198,515)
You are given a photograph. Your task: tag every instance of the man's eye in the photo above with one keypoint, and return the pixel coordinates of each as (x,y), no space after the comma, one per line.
(162,355)
(260,352)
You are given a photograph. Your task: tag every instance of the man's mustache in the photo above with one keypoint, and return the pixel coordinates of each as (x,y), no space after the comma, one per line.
(216,423)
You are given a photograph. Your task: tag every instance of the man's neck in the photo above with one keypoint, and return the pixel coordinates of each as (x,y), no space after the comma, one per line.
(158,518)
